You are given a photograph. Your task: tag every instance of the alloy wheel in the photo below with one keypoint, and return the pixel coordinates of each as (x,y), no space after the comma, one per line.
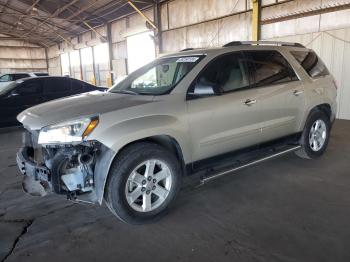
(318,135)
(148,185)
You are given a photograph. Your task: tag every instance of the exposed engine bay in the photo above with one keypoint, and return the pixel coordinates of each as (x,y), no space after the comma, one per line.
(64,169)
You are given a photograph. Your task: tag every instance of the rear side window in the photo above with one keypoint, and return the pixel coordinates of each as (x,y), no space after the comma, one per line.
(19,76)
(41,74)
(312,64)
(77,86)
(269,68)
(57,85)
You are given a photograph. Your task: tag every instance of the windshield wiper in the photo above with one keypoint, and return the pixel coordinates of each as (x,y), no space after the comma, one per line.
(129,92)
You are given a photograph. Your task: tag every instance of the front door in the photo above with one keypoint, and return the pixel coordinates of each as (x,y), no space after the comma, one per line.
(228,119)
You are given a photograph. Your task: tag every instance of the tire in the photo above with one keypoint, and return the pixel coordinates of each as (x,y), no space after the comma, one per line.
(134,193)
(314,144)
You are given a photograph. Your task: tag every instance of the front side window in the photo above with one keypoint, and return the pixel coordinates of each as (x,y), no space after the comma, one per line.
(57,85)
(29,88)
(269,68)
(157,78)
(226,73)
(312,64)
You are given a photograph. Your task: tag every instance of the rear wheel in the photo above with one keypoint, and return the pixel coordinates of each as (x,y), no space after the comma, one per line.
(143,182)
(315,137)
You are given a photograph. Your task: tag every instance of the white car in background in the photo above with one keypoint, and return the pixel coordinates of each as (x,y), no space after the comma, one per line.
(6,79)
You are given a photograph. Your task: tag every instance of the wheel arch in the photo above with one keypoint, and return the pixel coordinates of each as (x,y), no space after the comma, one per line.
(166,141)
(324,107)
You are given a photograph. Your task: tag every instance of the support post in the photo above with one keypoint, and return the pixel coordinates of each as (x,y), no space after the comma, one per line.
(94,82)
(256,17)
(142,14)
(81,66)
(158,21)
(110,80)
(47,59)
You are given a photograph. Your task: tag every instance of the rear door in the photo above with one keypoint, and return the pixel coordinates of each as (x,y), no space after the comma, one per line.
(282,99)
(56,87)
(228,120)
(23,96)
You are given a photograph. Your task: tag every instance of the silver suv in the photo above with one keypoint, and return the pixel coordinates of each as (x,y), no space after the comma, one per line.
(198,112)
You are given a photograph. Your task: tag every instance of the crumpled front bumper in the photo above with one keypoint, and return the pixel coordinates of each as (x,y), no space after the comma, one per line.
(37,176)
(41,177)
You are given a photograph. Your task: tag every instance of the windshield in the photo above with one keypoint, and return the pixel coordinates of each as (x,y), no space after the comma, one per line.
(6,78)
(157,78)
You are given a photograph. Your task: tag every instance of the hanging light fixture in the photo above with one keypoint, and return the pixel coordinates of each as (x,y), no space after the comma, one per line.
(19,26)
(34,11)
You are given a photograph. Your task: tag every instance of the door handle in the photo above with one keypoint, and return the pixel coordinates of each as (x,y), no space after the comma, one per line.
(297,92)
(250,102)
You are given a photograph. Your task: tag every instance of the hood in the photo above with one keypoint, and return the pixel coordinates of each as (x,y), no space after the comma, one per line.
(75,107)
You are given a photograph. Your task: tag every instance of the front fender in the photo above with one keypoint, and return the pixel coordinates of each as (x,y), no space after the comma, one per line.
(120,134)
(123,133)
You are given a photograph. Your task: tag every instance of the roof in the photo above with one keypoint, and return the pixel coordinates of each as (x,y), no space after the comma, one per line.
(47,22)
(236,46)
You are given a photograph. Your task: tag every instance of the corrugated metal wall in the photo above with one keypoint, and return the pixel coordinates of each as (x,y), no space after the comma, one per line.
(20,56)
(54,61)
(203,23)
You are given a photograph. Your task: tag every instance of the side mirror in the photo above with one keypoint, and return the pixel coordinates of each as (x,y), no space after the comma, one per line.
(203,90)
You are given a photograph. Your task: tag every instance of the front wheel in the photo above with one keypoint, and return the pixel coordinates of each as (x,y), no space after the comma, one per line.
(315,137)
(143,182)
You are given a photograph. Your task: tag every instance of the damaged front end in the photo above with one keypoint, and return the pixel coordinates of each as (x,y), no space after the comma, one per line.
(77,171)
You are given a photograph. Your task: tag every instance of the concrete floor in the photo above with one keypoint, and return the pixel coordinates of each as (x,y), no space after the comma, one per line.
(287,209)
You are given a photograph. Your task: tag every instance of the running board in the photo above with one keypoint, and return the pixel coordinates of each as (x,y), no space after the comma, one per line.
(213,176)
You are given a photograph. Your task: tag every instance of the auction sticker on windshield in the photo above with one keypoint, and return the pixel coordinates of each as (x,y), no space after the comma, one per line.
(190,59)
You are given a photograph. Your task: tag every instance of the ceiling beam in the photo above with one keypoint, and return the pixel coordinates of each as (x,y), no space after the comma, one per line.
(89,14)
(41,41)
(76,14)
(42,17)
(25,13)
(39,19)
(9,25)
(55,14)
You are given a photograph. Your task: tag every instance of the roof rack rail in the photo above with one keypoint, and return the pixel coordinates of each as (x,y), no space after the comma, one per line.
(276,43)
(187,49)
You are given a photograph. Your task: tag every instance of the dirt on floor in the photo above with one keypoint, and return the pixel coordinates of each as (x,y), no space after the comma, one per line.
(286,209)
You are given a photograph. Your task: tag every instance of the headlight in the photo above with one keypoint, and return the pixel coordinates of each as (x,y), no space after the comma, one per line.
(67,132)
